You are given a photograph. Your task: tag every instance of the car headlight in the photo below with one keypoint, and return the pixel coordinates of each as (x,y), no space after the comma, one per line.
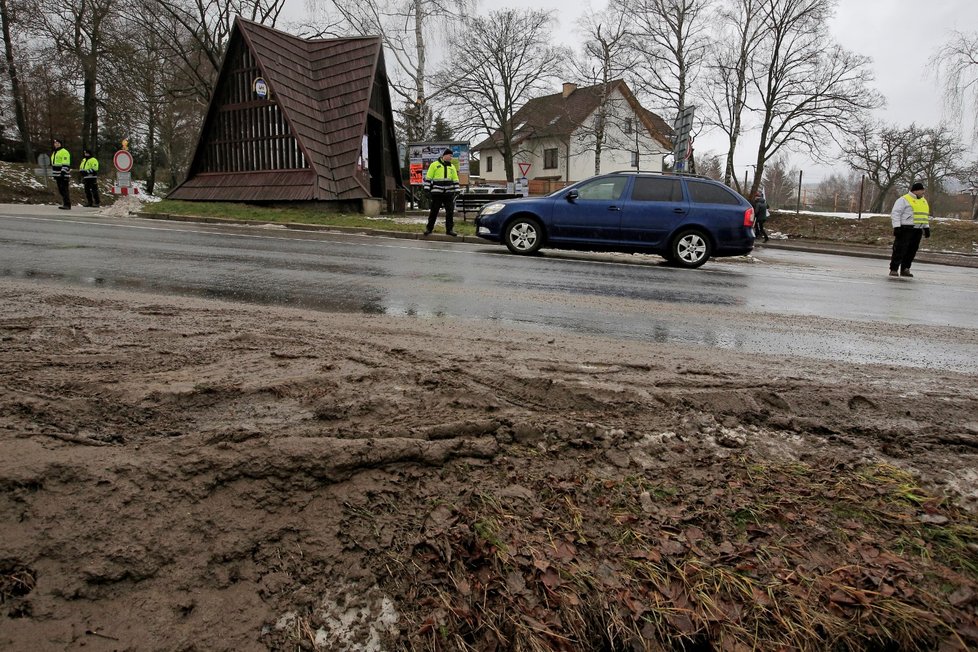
(492,209)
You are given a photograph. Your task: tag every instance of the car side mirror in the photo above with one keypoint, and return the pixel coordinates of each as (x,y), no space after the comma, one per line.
(572,195)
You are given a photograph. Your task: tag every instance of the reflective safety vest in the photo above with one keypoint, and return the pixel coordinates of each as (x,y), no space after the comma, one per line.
(61,162)
(89,167)
(921,210)
(441,178)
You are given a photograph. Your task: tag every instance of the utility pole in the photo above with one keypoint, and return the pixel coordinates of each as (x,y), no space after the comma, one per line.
(798,204)
(862,182)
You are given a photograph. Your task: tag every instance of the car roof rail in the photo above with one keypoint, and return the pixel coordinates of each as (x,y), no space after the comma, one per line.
(664,172)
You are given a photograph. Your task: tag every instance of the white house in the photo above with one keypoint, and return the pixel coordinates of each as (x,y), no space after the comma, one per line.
(557,135)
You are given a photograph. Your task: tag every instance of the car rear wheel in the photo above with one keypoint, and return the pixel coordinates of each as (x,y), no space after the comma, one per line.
(524,235)
(690,248)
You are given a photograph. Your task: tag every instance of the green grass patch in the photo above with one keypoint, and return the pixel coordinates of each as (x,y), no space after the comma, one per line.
(295,215)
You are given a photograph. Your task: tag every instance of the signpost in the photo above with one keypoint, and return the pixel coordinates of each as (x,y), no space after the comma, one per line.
(523,185)
(683,148)
(43,168)
(123,161)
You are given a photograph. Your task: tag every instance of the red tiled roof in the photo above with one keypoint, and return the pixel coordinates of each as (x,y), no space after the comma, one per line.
(558,116)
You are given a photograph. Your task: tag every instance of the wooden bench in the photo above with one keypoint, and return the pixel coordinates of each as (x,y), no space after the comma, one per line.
(472,202)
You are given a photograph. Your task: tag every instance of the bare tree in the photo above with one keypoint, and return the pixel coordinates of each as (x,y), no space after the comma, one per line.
(968,175)
(892,157)
(810,89)
(516,59)
(670,39)
(881,153)
(405,27)
(730,66)
(16,88)
(606,58)
(937,157)
(956,63)
(194,33)
(82,30)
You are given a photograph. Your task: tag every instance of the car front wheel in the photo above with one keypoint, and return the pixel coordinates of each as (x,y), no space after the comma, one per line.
(690,249)
(524,235)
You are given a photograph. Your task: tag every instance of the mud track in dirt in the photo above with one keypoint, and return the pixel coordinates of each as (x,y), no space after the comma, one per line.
(181,474)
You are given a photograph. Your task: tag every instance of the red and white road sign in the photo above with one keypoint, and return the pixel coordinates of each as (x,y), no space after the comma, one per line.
(122,160)
(524,168)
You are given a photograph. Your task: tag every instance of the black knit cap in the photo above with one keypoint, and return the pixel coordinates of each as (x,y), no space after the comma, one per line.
(916,186)
(447,151)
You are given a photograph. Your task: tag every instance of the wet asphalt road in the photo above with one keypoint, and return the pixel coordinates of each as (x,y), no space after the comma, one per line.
(787,303)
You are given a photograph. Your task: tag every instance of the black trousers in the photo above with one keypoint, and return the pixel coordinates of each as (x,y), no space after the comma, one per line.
(438,200)
(91,192)
(759,230)
(63,189)
(905,245)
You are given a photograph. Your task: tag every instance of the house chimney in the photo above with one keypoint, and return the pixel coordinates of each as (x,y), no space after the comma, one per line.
(569,88)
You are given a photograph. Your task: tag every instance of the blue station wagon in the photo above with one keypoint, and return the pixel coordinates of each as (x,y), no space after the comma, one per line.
(684,218)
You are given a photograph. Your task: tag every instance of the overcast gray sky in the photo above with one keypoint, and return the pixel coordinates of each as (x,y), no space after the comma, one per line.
(899,35)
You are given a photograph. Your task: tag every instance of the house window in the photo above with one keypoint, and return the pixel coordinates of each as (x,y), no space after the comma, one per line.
(488,164)
(628,126)
(635,159)
(550,159)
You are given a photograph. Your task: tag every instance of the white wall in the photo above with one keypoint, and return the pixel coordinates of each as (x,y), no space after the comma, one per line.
(616,154)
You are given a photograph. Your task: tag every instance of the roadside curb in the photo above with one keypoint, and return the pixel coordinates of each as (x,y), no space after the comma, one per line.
(933,257)
(833,248)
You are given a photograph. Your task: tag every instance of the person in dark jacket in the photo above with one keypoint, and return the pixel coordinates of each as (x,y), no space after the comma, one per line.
(760,216)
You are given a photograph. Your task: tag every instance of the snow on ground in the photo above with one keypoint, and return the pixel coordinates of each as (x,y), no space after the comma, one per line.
(18,175)
(857,216)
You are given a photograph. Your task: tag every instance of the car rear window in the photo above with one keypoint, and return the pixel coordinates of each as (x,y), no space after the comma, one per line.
(657,189)
(607,188)
(709,193)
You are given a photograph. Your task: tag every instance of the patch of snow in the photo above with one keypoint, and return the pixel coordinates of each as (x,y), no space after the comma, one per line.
(143,196)
(356,620)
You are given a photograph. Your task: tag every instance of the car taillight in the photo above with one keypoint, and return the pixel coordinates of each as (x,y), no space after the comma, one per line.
(749,217)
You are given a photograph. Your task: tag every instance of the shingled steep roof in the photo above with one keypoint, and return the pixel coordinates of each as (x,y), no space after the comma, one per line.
(556,116)
(323,89)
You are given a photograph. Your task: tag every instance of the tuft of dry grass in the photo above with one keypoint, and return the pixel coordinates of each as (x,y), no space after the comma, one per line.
(790,556)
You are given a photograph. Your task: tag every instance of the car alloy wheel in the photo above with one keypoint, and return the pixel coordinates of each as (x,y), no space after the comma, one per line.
(690,249)
(523,236)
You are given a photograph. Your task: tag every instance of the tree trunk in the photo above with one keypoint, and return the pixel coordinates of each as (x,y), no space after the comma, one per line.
(19,111)
(151,145)
(89,107)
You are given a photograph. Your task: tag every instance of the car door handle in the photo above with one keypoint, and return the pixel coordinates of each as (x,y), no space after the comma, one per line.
(613,208)
(679,210)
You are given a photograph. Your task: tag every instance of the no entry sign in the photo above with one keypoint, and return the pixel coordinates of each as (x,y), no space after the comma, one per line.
(122,160)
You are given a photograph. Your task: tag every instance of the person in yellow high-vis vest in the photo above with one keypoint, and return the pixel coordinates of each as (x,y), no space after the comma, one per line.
(442,182)
(89,170)
(61,166)
(911,220)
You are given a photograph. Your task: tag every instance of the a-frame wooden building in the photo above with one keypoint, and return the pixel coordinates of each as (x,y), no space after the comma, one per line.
(297,120)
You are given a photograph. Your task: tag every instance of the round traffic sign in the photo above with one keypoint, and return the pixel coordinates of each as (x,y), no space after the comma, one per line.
(122,160)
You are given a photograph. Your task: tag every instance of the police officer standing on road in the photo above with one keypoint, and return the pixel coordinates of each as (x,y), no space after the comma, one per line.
(61,165)
(442,182)
(89,170)
(911,219)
